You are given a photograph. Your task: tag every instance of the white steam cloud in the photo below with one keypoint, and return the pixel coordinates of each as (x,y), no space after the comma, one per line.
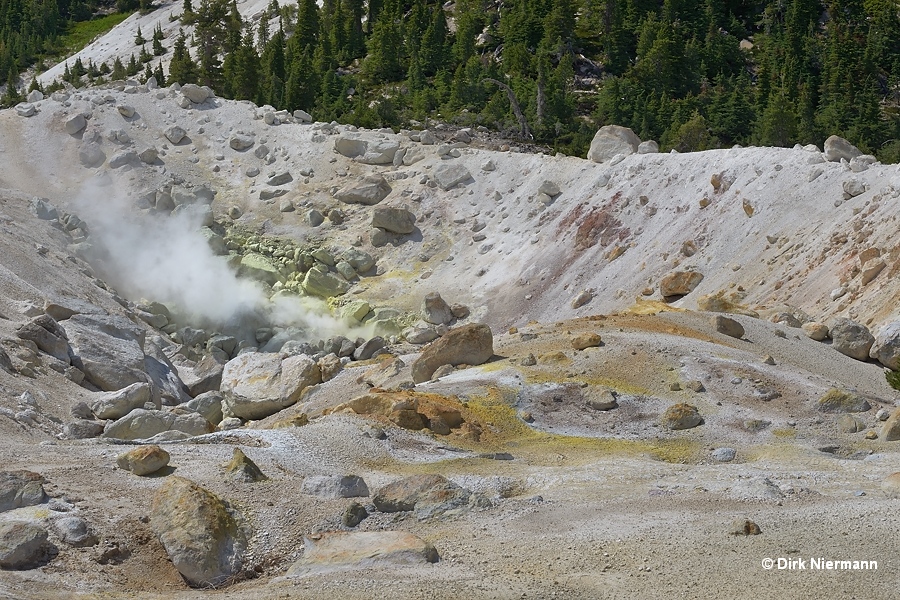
(165,258)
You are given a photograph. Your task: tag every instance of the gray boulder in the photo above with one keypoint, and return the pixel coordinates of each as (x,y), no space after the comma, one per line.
(395,220)
(728,326)
(175,134)
(165,385)
(75,123)
(208,405)
(428,495)
(851,338)
(241,142)
(148,155)
(47,334)
(369,151)
(91,155)
(22,544)
(886,347)
(20,488)
(120,159)
(43,209)
(82,429)
(117,404)
(611,140)
(204,376)
(335,486)
(435,309)
(141,424)
(74,531)
(280,179)
(107,350)
(448,176)
(202,534)
(367,349)
(371,190)
(648,147)
(195,93)
(25,109)
(360,260)
(837,148)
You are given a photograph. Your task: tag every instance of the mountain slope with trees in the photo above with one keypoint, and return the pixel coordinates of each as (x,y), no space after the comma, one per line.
(692,74)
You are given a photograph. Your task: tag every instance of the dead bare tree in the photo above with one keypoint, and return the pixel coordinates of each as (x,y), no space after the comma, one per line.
(524,130)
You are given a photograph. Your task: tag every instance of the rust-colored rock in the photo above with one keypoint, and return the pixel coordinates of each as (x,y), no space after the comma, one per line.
(467,345)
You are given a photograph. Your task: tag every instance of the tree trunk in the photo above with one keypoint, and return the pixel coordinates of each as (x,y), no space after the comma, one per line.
(524,130)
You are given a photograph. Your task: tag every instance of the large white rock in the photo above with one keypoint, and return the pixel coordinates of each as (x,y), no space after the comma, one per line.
(108,350)
(611,140)
(367,150)
(195,93)
(259,384)
(25,109)
(335,486)
(117,404)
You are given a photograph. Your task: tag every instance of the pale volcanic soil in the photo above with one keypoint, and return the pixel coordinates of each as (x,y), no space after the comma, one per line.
(592,504)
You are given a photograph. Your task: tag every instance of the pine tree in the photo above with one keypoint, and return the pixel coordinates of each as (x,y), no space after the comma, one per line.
(133,67)
(12,96)
(778,124)
(354,33)
(307,31)
(118,70)
(182,68)
(469,23)
(302,84)
(559,27)
(273,71)
(159,74)
(434,50)
(374,10)
(338,33)
(245,79)
(158,48)
(139,38)
(383,62)
(211,36)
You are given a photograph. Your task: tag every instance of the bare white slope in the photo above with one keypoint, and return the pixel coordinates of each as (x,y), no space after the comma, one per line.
(773,237)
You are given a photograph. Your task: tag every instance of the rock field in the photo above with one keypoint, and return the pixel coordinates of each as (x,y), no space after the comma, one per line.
(244,354)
